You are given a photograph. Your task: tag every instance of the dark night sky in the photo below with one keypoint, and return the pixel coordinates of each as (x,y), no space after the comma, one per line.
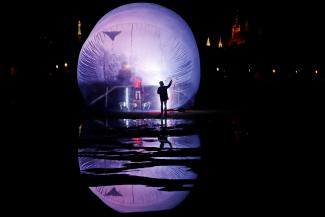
(277,166)
(285,31)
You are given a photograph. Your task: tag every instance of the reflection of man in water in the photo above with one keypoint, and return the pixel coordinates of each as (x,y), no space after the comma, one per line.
(163,139)
(162,91)
(163,122)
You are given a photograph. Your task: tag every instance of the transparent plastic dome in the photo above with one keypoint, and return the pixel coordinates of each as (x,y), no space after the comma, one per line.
(130,50)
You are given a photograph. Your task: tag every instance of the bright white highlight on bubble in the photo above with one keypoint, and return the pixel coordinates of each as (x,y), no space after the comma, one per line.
(140,43)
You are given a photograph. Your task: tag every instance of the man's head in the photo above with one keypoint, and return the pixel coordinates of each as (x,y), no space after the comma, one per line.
(161,83)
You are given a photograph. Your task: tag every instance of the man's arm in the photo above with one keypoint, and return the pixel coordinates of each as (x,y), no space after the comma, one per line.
(170,84)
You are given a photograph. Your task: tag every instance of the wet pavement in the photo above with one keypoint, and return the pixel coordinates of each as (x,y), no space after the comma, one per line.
(231,164)
(246,163)
(158,166)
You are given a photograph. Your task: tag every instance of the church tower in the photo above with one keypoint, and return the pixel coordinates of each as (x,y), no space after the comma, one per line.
(236,33)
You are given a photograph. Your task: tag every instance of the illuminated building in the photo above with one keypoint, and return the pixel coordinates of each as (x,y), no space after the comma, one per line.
(236,33)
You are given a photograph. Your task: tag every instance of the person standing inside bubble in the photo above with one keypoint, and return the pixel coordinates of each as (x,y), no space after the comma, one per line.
(162,91)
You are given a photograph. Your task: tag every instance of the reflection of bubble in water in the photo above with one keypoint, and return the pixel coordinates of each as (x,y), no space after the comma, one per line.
(86,163)
(163,172)
(147,172)
(130,50)
(90,125)
(138,198)
(188,141)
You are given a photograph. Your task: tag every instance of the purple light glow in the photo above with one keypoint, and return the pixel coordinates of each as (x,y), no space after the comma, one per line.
(140,42)
(135,165)
(138,198)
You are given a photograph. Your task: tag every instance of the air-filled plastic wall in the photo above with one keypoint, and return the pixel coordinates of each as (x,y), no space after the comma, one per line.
(130,50)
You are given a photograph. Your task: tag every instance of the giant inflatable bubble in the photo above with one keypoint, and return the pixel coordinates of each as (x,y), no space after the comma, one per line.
(129,51)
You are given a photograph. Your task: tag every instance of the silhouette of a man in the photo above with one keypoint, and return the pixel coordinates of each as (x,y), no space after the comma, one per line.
(162,91)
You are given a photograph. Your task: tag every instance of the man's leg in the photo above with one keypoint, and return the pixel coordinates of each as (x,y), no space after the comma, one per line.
(161,106)
(169,143)
(165,102)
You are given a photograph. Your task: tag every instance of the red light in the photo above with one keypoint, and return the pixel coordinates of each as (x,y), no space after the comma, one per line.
(137,141)
(137,83)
